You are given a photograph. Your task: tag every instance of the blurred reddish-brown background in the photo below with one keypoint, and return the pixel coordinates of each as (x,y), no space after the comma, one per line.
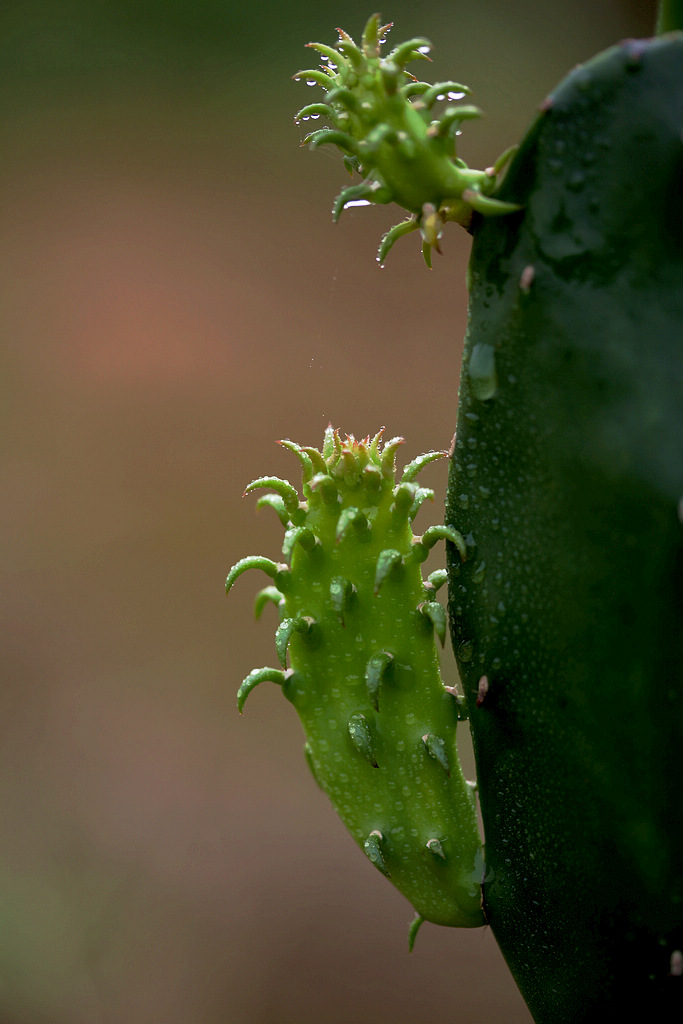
(174,299)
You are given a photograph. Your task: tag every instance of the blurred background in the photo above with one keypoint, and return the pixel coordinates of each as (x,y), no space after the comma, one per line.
(175,298)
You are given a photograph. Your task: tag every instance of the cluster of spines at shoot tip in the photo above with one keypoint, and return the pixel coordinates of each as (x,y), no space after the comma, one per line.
(345,462)
(381,118)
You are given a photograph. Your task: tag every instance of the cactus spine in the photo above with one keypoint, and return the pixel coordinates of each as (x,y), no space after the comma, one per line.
(358,660)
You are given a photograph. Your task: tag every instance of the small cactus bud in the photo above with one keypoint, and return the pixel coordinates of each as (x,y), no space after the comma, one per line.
(404,152)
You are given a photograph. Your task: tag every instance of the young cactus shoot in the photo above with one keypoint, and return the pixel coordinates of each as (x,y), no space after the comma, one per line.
(382,119)
(358,660)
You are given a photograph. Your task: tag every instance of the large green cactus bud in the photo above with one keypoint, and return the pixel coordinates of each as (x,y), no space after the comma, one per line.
(358,660)
(385,122)
(568,472)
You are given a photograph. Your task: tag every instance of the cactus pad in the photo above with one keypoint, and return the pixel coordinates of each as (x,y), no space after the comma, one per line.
(358,660)
(384,122)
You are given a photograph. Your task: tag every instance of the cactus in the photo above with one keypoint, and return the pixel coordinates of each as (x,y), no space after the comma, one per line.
(568,472)
(381,118)
(358,660)
(566,614)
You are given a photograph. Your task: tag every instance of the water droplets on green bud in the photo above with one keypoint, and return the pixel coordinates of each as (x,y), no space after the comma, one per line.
(382,120)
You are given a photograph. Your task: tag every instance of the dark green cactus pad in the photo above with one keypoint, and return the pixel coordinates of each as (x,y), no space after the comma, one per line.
(568,472)
(391,130)
(356,645)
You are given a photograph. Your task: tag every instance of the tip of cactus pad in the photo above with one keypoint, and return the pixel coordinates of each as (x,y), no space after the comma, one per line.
(399,135)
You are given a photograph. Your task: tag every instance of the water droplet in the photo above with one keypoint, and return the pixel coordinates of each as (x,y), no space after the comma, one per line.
(455,95)
(357,202)
(310,81)
(424,49)
(482,372)
(465,650)
(479,573)
(576,181)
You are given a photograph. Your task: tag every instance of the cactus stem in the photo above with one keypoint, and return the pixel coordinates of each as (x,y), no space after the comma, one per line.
(364,665)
